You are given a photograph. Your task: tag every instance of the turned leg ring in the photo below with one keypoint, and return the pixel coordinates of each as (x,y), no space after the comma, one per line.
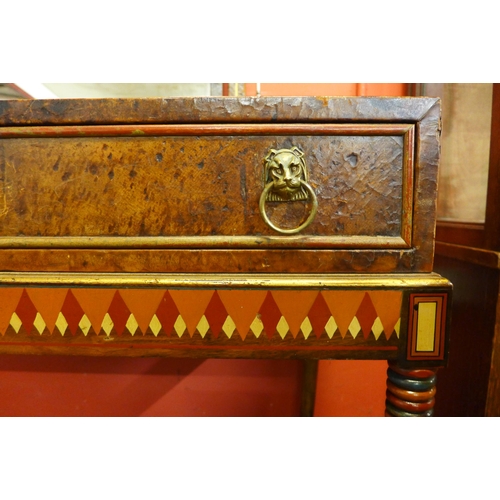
(410,393)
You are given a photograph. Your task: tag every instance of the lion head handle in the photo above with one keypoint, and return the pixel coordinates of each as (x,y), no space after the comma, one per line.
(285,168)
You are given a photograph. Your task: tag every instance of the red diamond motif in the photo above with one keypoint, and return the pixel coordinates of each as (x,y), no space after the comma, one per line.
(319,314)
(269,315)
(72,311)
(167,313)
(119,313)
(216,314)
(366,315)
(26,311)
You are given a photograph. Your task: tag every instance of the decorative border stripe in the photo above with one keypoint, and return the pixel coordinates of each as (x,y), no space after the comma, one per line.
(143,346)
(235,315)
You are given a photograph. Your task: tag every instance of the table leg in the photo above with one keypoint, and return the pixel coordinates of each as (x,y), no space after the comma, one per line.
(309,387)
(410,393)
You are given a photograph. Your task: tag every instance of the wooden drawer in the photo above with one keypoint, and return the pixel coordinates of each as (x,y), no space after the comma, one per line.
(176,185)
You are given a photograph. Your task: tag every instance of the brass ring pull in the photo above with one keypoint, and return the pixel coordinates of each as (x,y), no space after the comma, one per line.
(312,214)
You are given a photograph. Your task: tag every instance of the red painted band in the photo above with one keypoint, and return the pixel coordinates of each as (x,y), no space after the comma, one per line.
(411,395)
(410,406)
(195,129)
(207,347)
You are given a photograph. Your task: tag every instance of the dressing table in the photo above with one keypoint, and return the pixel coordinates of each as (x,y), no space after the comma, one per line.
(226,227)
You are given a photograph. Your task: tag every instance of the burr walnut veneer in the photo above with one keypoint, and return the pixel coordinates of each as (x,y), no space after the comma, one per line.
(269,227)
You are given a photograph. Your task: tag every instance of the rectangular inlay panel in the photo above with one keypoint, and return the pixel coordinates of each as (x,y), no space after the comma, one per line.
(427,326)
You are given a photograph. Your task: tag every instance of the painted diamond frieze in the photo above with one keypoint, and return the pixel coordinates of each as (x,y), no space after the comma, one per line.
(209,314)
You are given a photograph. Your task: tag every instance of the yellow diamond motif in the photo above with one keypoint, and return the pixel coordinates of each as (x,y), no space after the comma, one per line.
(203,326)
(39,323)
(85,324)
(377,328)
(132,324)
(15,322)
(155,325)
(61,323)
(282,327)
(257,326)
(331,327)
(107,324)
(354,327)
(397,327)
(306,327)
(179,326)
(228,327)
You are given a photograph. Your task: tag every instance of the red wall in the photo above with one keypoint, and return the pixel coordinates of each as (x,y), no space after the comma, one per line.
(84,386)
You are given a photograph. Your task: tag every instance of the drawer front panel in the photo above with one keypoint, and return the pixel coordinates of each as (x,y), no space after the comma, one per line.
(171,185)
(108,187)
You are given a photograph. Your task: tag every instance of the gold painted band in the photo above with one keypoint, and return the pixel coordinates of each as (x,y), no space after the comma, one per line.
(226,280)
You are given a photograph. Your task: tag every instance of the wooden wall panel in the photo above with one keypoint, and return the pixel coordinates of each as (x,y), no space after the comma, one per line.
(462,386)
